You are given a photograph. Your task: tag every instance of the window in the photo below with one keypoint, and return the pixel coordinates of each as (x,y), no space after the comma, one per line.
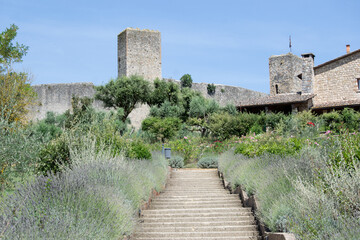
(277,88)
(358,84)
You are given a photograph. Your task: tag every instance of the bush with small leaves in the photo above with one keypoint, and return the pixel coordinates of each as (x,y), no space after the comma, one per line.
(208,162)
(176,162)
(186,81)
(211,89)
(138,150)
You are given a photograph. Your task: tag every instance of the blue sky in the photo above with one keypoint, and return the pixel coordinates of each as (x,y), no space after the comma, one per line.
(224,42)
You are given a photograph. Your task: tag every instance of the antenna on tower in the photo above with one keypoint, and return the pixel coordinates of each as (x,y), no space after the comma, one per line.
(290,42)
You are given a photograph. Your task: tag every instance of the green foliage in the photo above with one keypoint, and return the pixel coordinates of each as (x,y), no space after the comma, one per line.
(190,149)
(138,150)
(211,88)
(124,92)
(16,96)
(257,146)
(167,109)
(332,120)
(208,162)
(19,149)
(10,52)
(345,149)
(54,156)
(162,128)
(164,91)
(186,81)
(201,107)
(230,108)
(176,162)
(224,125)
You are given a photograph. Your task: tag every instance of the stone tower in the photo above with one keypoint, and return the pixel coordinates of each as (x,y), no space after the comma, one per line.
(291,74)
(139,53)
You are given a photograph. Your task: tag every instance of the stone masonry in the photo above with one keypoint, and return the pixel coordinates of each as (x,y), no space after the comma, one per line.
(291,74)
(337,80)
(139,53)
(57,98)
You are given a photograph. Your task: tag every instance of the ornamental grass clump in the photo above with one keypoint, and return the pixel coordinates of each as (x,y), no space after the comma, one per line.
(97,198)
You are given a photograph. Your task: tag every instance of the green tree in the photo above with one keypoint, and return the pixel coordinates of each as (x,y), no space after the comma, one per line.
(162,128)
(164,91)
(16,94)
(167,109)
(186,81)
(199,112)
(10,52)
(124,92)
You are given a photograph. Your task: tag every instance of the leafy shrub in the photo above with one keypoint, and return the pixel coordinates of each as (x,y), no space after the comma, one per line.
(19,149)
(164,91)
(176,162)
(186,81)
(208,162)
(163,129)
(332,120)
(251,146)
(211,89)
(54,156)
(230,108)
(189,148)
(138,150)
(166,109)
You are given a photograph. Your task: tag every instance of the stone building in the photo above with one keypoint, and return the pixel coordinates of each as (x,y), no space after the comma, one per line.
(296,85)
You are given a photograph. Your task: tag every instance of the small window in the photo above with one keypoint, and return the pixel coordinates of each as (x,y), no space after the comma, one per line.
(277,89)
(358,83)
(300,76)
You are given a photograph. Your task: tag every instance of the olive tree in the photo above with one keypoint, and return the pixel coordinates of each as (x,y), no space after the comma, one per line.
(124,92)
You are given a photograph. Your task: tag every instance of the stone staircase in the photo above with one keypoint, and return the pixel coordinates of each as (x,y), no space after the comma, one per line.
(195,205)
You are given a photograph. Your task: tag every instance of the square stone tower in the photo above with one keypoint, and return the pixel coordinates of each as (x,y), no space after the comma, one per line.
(291,74)
(139,53)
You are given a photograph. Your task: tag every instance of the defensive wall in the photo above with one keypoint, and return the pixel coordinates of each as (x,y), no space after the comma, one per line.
(57,98)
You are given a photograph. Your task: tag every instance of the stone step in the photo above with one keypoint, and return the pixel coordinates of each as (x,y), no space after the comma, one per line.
(167,213)
(245,228)
(197,234)
(182,198)
(194,205)
(199,238)
(183,219)
(195,201)
(199,224)
(199,210)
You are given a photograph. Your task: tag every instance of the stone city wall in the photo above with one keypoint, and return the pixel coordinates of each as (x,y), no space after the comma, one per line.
(57,98)
(337,81)
(225,94)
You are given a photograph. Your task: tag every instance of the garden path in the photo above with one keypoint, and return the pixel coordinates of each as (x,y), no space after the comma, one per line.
(195,205)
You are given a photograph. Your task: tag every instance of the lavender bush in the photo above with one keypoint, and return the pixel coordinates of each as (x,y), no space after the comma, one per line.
(305,194)
(97,198)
